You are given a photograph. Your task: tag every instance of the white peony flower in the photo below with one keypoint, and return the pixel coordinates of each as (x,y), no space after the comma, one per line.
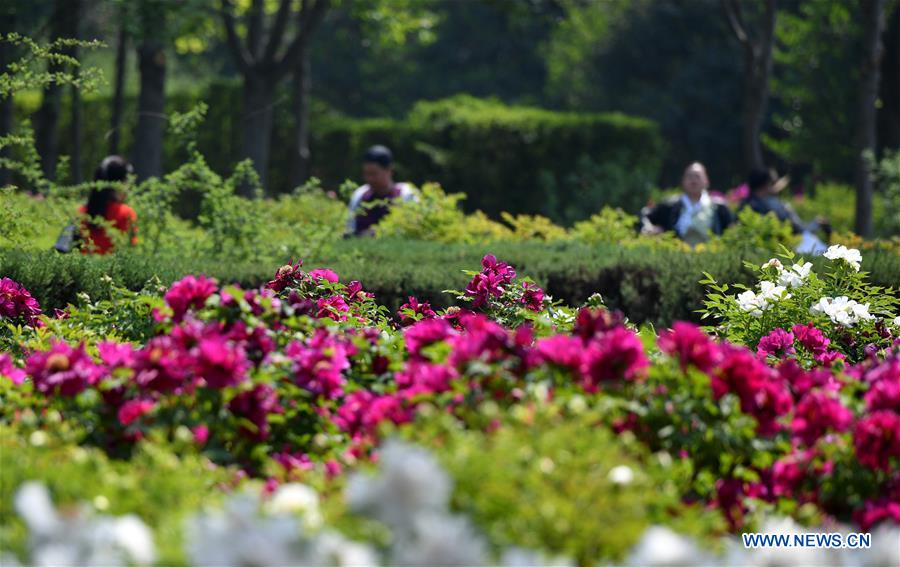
(439,539)
(660,546)
(897,322)
(795,276)
(773,263)
(621,475)
(410,480)
(295,498)
(849,255)
(755,304)
(749,302)
(842,310)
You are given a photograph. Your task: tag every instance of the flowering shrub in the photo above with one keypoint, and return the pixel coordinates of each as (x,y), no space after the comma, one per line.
(838,315)
(302,377)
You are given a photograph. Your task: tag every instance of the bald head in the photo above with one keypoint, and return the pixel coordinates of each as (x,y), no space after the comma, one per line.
(695,181)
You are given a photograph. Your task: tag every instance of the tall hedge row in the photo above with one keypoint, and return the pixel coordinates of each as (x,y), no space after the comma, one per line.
(504,158)
(647,285)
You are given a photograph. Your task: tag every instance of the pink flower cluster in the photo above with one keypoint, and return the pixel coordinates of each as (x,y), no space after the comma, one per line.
(414,310)
(490,282)
(780,344)
(16,302)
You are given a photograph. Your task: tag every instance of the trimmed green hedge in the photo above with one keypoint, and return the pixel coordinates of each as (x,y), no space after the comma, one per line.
(647,285)
(515,159)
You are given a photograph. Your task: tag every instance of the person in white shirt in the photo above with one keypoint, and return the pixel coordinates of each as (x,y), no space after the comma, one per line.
(695,214)
(371,202)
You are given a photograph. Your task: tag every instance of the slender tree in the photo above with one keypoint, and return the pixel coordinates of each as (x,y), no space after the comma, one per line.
(758,46)
(872,16)
(115,123)
(264,62)
(64,24)
(148,136)
(302,92)
(7,25)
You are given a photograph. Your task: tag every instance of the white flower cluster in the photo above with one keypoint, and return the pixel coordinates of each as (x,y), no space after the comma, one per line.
(660,546)
(795,276)
(79,538)
(897,322)
(756,303)
(841,310)
(270,534)
(849,255)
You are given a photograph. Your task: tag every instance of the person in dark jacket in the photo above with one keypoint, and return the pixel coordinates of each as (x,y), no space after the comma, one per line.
(694,215)
(763,199)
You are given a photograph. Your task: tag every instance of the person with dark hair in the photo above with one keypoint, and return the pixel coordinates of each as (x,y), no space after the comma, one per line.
(763,199)
(106,202)
(371,202)
(695,214)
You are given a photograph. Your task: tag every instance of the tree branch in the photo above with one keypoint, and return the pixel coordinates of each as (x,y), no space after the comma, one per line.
(238,50)
(309,18)
(281,20)
(735,20)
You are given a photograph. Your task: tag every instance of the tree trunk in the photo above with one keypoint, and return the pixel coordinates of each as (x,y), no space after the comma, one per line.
(866,125)
(302,89)
(756,93)
(889,114)
(7,24)
(115,123)
(256,123)
(148,138)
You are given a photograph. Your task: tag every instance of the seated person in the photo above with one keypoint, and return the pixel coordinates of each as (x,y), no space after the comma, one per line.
(107,203)
(694,215)
(380,189)
(763,199)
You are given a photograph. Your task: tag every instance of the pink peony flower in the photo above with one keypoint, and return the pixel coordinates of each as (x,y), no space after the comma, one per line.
(761,392)
(811,338)
(884,385)
(333,307)
(818,412)
(255,406)
(355,292)
(219,362)
(483,286)
(876,438)
(16,302)
(116,355)
(788,473)
(162,365)
(691,345)
(190,292)
(426,332)
(421,309)
(481,339)
(490,265)
(532,297)
(362,412)
(9,370)
(590,323)
(777,343)
(134,409)
(828,358)
(286,276)
(617,355)
(420,377)
(63,370)
(873,512)
(319,364)
(326,274)
(201,434)
(560,350)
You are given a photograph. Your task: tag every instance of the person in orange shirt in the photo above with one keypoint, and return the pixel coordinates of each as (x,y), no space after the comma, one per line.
(107,203)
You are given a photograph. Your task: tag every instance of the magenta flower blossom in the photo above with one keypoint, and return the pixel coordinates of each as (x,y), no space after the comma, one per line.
(255,406)
(355,292)
(618,354)
(873,512)
(761,392)
(319,364)
(132,410)
(201,434)
(332,307)
(421,309)
(426,332)
(777,343)
(16,302)
(884,385)
(559,350)
(490,265)
(590,323)
(362,412)
(63,370)
(691,345)
(190,292)
(9,370)
(481,339)
(801,381)
(116,355)
(483,286)
(324,273)
(419,378)
(286,276)
(818,412)
(876,438)
(532,297)
(162,365)
(811,338)
(828,358)
(219,362)
(788,473)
